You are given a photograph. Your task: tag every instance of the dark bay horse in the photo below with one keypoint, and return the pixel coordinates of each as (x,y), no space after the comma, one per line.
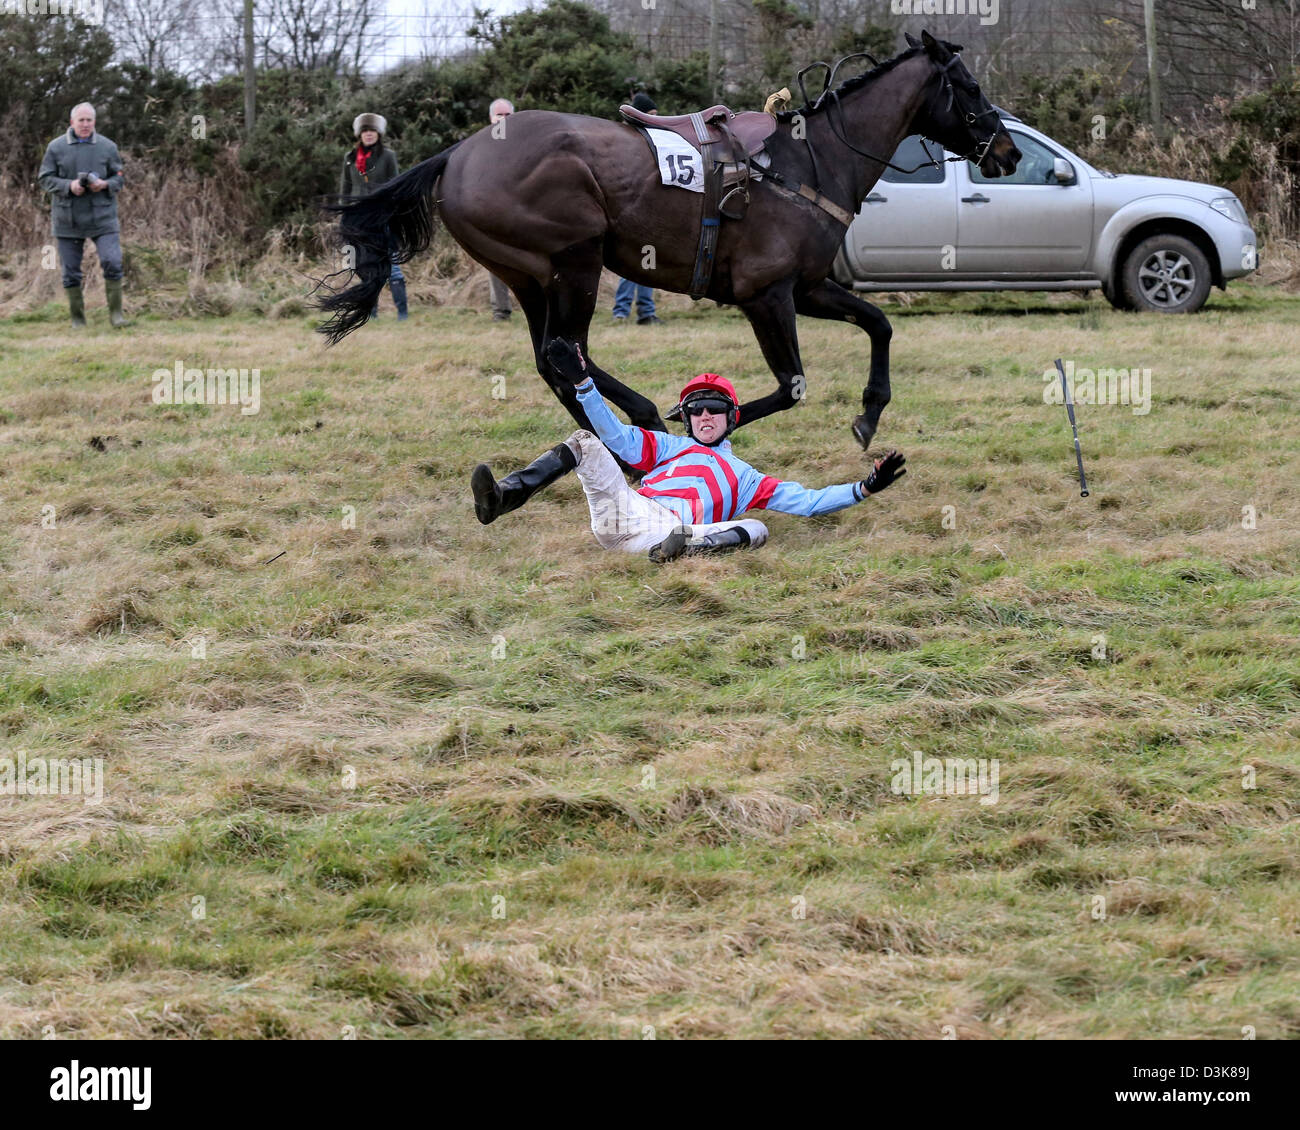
(547,201)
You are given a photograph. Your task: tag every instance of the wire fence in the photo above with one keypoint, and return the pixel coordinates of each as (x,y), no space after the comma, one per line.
(1205,48)
(204,39)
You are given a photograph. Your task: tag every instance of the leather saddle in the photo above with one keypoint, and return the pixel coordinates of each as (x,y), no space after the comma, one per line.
(726,142)
(750,128)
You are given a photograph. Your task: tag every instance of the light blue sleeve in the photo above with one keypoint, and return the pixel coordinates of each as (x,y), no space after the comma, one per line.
(793,498)
(638,447)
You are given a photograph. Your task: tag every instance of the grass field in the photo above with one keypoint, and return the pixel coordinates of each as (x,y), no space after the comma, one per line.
(426,778)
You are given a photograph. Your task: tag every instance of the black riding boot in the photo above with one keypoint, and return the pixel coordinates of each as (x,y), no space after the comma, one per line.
(680,543)
(492,498)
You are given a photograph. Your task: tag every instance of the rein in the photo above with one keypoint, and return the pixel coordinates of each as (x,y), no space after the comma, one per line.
(830,95)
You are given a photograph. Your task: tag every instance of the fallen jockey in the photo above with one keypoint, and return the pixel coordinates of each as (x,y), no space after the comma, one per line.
(693,488)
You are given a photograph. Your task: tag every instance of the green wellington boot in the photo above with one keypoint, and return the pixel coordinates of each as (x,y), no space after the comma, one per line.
(113,288)
(77,306)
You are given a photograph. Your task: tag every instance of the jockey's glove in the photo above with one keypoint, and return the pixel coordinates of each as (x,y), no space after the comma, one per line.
(567,360)
(887,469)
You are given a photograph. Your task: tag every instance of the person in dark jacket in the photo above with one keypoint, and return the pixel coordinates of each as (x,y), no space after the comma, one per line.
(365,168)
(82,172)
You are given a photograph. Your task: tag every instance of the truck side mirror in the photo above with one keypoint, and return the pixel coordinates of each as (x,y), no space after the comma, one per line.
(1063,171)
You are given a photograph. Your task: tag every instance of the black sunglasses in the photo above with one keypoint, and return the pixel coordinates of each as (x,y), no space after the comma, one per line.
(714,405)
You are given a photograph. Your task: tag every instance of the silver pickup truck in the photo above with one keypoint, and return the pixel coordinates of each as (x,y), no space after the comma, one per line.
(1149,243)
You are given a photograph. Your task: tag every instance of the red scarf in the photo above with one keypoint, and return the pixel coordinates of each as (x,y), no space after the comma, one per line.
(363,155)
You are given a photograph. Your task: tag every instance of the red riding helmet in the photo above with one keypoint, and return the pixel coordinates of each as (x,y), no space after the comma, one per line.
(707,384)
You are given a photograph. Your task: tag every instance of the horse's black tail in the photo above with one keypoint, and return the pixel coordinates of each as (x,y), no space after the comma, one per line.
(395,220)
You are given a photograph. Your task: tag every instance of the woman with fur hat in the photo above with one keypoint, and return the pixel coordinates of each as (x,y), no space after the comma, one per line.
(365,168)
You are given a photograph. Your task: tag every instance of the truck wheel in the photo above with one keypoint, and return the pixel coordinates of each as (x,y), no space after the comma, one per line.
(1116,297)
(1166,274)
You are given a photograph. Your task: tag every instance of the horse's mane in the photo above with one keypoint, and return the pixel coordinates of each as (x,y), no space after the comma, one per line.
(852,83)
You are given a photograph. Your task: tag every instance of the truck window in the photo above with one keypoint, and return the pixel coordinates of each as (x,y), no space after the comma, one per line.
(910,154)
(1035,166)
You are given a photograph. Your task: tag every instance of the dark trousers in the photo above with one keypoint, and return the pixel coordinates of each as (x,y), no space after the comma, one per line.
(109,248)
(500,295)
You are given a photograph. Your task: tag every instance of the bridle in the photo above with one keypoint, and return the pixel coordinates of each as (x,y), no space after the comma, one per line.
(831,98)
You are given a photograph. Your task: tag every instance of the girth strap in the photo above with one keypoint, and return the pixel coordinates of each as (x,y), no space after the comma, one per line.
(708,227)
(709,222)
(794,188)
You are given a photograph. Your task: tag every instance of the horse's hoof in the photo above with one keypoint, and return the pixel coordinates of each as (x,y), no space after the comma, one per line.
(863,432)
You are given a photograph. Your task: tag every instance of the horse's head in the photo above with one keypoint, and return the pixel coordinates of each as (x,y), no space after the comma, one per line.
(958,116)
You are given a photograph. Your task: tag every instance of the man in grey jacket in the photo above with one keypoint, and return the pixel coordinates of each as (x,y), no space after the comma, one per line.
(82,172)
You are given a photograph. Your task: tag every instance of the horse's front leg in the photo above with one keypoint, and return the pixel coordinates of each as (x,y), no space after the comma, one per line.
(830,300)
(771,313)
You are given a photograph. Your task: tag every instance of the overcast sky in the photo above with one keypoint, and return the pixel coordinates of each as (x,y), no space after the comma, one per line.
(420,24)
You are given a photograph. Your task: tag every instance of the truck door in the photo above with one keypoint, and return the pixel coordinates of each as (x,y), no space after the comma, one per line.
(1027,224)
(908,220)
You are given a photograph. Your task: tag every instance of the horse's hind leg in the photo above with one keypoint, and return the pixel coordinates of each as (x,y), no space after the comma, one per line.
(830,300)
(532,300)
(641,410)
(570,304)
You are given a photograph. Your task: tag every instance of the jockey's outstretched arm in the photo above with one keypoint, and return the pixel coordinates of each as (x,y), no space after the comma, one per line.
(637,447)
(795,498)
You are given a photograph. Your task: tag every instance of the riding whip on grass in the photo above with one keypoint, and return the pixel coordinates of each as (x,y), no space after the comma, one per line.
(1069,407)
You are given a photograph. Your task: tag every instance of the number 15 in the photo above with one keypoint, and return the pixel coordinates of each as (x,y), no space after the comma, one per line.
(681,167)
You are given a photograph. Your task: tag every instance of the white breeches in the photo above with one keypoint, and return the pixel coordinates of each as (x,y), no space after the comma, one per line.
(623,519)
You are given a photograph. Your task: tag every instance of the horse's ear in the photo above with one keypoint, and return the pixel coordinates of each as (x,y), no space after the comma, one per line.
(936,50)
(912,41)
